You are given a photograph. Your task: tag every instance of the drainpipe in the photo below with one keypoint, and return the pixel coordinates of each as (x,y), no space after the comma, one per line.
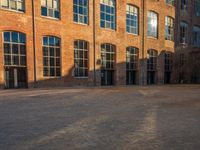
(143,42)
(34,42)
(94,41)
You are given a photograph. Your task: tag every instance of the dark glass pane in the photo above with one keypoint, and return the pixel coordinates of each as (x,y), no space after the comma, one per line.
(52,71)
(45,61)
(51,50)
(7,59)
(14,37)
(15,60)
(57,14)
(23,60)
(45,51)
(57,61)
(52,62)
(7,36)
(58,52)
(51,41)
(22,38)
(15,49)
(44,11)
(57,41)
(23,49)
(7,49)
(45,41)
(46,71)
(58,72)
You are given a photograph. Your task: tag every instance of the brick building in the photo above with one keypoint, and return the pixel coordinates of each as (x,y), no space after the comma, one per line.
(86,42)
(187,43)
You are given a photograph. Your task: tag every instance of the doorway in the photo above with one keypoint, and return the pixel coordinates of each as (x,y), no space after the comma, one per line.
(107,77)
(15,77)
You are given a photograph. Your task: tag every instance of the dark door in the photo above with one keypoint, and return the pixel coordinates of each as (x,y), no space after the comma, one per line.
(151,77)
(130,77)
(107,77)
(167,77)
(15,78)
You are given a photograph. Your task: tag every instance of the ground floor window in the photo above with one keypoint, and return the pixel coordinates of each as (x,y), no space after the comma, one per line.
(151,66)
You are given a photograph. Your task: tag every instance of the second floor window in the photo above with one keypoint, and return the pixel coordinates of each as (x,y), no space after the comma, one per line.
(184,5)
(197,7)
(18,5)
(81,11)
(50,8)
(108,16)
(196,36)
(152,24)
(170,2)
(169,28)
(131,19)
(183,32)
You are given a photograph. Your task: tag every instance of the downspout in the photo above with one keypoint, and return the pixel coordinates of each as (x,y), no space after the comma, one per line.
(34,42)
(143,42)
(94,42)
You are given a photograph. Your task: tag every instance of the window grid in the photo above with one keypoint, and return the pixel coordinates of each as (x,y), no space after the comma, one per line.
(14,49)
(152,24)
(131,58)
(50,8)
(108,14)
(107,57)
(197,7)
(131,19)
(51,57)
(168,62)
(81,58)
(183,32)
(170,2)
(196,36)
(18,5)
(80,11)
(184,5)
(169,28)
(152,60)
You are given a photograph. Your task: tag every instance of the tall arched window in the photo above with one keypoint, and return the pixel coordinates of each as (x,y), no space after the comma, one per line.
(108,14)
(108,60)
(14,48)
(151,66)
(51,56)
(81,58)
(131,19)
(152,24)
(132,55)
(15,65)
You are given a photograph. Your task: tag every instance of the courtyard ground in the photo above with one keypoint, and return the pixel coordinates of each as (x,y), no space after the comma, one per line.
(112,118)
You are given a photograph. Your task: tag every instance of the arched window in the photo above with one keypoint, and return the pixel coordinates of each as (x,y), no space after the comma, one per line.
(108,56)
(14,48)
(108,14)
(51,56)
(132,55)
(132,58)
(152,60)
(81,58)
(131,19)
(152,24)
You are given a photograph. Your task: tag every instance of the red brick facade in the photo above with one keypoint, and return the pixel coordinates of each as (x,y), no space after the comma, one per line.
(68,31)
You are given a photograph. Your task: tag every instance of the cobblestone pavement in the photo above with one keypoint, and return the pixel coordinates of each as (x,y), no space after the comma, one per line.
(115,118)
